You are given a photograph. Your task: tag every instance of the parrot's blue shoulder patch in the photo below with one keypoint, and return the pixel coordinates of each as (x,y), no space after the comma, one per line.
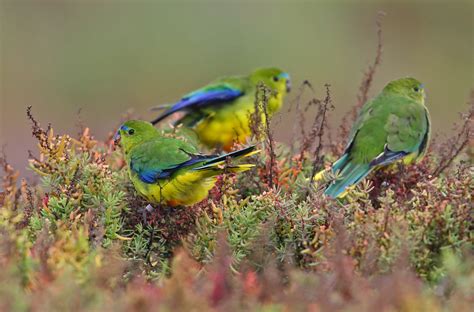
(147,175)
(150,176)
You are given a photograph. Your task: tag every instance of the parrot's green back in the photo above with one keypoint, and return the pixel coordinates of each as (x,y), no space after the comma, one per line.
(392,126)
(159,154)
(389,119)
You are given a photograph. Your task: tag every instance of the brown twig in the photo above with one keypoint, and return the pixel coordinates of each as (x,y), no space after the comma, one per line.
(38,132)
(308,139)
(367,79)
(370,72)
(256,117)
(260,125)
(80,123)
(300,115)
(454,145)
(317,131)
(270,146)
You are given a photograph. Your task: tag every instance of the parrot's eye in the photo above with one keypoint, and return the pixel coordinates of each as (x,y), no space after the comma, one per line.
(131,131)
(276,78)
(416,89)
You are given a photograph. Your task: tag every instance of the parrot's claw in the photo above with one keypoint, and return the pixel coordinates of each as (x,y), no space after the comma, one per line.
(148,209)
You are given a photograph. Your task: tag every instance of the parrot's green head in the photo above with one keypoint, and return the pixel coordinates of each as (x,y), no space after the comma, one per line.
(409,87)
(274,78)
(134,132)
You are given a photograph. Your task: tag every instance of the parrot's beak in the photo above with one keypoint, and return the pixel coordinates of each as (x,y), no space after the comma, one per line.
(117,138)
(288,85)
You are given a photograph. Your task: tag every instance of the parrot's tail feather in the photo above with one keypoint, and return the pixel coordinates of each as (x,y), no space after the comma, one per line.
(350,175)
(340,163)
(170,110)
(159,118)
(216,161)
(245,152)
(229,169)
(160,107)
(240,168)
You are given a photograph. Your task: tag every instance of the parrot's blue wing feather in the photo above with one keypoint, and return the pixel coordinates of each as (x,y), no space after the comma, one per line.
(387,157)
(206,97)
(202,98)
(151,175)
(147,175)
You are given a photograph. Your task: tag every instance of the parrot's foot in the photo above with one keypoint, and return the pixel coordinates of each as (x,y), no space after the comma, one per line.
(149,209)
(401,168)
(145,211)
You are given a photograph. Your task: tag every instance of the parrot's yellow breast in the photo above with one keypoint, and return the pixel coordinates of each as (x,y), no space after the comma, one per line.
(231,124)
(186,189)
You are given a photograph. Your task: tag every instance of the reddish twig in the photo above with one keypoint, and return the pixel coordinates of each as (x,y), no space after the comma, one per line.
(317,131)
(260,125)
(300,116)
(370,72)
(454,145)
(367,79)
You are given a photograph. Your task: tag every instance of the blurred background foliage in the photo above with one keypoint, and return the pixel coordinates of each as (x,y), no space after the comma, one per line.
(105,57)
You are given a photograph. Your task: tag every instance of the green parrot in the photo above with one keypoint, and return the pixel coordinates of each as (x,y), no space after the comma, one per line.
(220,112)
(394,125)
(170,171)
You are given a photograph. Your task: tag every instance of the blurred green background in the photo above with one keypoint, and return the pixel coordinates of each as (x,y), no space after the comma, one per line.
(108,56)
